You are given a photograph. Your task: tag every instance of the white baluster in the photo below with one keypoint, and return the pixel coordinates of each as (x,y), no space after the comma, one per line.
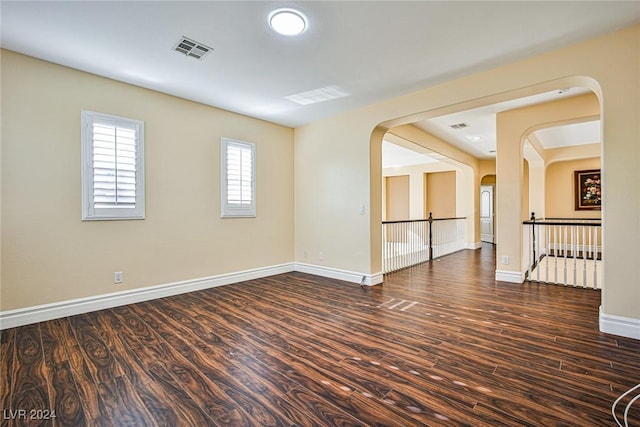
(584,255)
(595,257)
(564,254)
(548,251)
(555,253)
(574,249)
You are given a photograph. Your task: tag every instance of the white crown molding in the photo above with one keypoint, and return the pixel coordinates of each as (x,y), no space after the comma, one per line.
(618,325)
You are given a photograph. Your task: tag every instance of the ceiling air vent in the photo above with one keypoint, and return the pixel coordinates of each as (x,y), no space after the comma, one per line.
(460,125)
(192,48)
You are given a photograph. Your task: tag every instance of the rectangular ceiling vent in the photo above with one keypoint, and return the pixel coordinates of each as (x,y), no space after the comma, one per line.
(321,94)
(460,125)
(192,48)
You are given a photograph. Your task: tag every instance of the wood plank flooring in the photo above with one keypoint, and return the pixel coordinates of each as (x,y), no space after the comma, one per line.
(437,344)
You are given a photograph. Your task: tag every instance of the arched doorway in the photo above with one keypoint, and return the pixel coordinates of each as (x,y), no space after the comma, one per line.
(515,202)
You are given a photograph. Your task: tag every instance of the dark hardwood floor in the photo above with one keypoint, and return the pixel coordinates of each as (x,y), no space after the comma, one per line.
(437,344)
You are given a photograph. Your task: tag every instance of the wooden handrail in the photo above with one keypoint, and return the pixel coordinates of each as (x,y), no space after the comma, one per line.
(563,221)
(544,222)
(422,220)
(561,218)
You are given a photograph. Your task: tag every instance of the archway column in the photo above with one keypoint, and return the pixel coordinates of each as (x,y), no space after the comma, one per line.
(509,202)
(512,127)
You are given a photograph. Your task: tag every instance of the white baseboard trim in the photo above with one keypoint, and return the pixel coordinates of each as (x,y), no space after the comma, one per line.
(374,279)
(509,276)
(618,325)
(334,273)
(475,245)
(41,313)
(57,310)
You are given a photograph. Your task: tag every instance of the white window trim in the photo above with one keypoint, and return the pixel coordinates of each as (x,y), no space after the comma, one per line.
(228,210)
(89,212)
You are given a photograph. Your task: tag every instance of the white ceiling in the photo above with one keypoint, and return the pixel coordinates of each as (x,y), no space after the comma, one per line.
(568,135)
(370,50)
(394,156)
(479,138)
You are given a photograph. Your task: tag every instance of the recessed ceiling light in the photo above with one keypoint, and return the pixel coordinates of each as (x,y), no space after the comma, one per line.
(288,22)
(474,138)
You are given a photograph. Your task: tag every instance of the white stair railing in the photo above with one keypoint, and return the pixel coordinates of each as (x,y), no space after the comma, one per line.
(411,242)
(564,251)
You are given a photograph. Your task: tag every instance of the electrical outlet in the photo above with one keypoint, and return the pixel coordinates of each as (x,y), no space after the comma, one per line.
(117,277)
(321,256)
(305,254)
(505,259)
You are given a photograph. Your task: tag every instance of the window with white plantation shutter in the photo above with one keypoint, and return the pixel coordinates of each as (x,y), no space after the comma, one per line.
(113,167)
(237,178)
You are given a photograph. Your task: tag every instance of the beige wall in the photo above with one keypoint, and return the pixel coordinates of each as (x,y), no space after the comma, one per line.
(418,189)
(487,168)
(397,195)
(330,189)
(488,180)
(440,194)
(537,188)
(50,255)
(559,194)
(351,145)
(525,190)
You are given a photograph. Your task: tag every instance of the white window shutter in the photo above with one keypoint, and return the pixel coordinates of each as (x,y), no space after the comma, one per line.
(113,172)
(237,178)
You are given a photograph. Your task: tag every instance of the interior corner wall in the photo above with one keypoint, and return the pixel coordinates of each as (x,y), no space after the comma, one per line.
(332,183)
(560,189)
(50,255)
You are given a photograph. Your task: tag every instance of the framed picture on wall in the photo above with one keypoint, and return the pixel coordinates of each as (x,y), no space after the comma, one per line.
(588,189)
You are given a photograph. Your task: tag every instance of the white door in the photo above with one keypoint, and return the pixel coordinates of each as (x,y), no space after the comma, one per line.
(486,213)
